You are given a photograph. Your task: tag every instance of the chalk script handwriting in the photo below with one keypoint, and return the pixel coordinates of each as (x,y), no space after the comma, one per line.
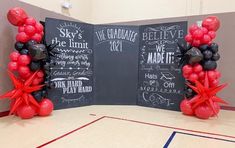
(73,73)
(162,35)
(155,99)
(158,71)
(79,99)
(115,37)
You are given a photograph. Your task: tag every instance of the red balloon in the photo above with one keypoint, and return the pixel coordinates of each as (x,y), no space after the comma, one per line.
(37,37)
(212,34)
(22,37)
(21,29)
(192,28)
(30,21)
(196,43)
(46,107)
(25,76)
(26,111)
(201,75)
(217,109)
(187,69)
(188,38)
(29,30)
(16,16)
(204,30)
(186,107)
(185,75)
(214,83)
(193,77)
(23,71)
(36,81)
(218,74)
(40,74)
(14,56)
(12,66)
(40,80)
(24,60)
(211,23)
(203,111)
(210,43)
(211,75)
(206,39)
(42,33)
(39,27)
(198,34)
(197,68)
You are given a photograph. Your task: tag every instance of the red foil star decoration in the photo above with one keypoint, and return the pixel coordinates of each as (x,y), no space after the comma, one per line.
(206,97)
(21,94)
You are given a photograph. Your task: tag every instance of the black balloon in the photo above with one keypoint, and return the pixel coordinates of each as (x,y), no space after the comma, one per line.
(30,43)
(47,78)
(203,47)
(194,55)
(35,65)
(180,57)
(46,66)
(44,93)
(19,46)
(189,93)
(209,65)
(207,54)
(47,71)
(216,56)
(37,95)
(188,46)
(214,47)
(24,51)
(182,47)
(38,52)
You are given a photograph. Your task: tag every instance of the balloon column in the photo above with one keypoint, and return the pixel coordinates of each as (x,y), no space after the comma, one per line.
(198,56)
(29,68)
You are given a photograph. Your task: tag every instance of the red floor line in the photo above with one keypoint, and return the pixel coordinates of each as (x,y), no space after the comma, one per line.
(230,108)
(5,113)
(169,127)
(70,132)
(134,121)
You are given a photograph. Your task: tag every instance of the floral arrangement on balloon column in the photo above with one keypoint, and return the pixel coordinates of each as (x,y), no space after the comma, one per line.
(198,55)
(29,68)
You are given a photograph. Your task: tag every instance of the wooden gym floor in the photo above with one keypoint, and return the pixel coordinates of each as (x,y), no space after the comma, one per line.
(118,127)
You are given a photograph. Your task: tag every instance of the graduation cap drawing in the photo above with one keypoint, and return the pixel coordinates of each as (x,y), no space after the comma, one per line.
(167,76)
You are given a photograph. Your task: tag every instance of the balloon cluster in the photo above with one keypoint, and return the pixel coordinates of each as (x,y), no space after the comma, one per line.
(30,64)
(28,27)
(205,34)
(198,56)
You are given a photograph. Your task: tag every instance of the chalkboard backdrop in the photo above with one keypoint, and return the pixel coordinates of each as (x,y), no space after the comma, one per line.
(160,82)
(73,73)
(115,64)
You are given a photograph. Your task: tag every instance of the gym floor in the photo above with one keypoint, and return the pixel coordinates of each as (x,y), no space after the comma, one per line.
(118,126)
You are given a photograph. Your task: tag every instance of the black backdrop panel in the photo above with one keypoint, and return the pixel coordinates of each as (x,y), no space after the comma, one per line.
(160,81)
(116,64)
(73,73)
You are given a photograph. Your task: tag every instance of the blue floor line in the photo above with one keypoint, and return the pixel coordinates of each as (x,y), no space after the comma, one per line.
(208,137)
(169,140)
